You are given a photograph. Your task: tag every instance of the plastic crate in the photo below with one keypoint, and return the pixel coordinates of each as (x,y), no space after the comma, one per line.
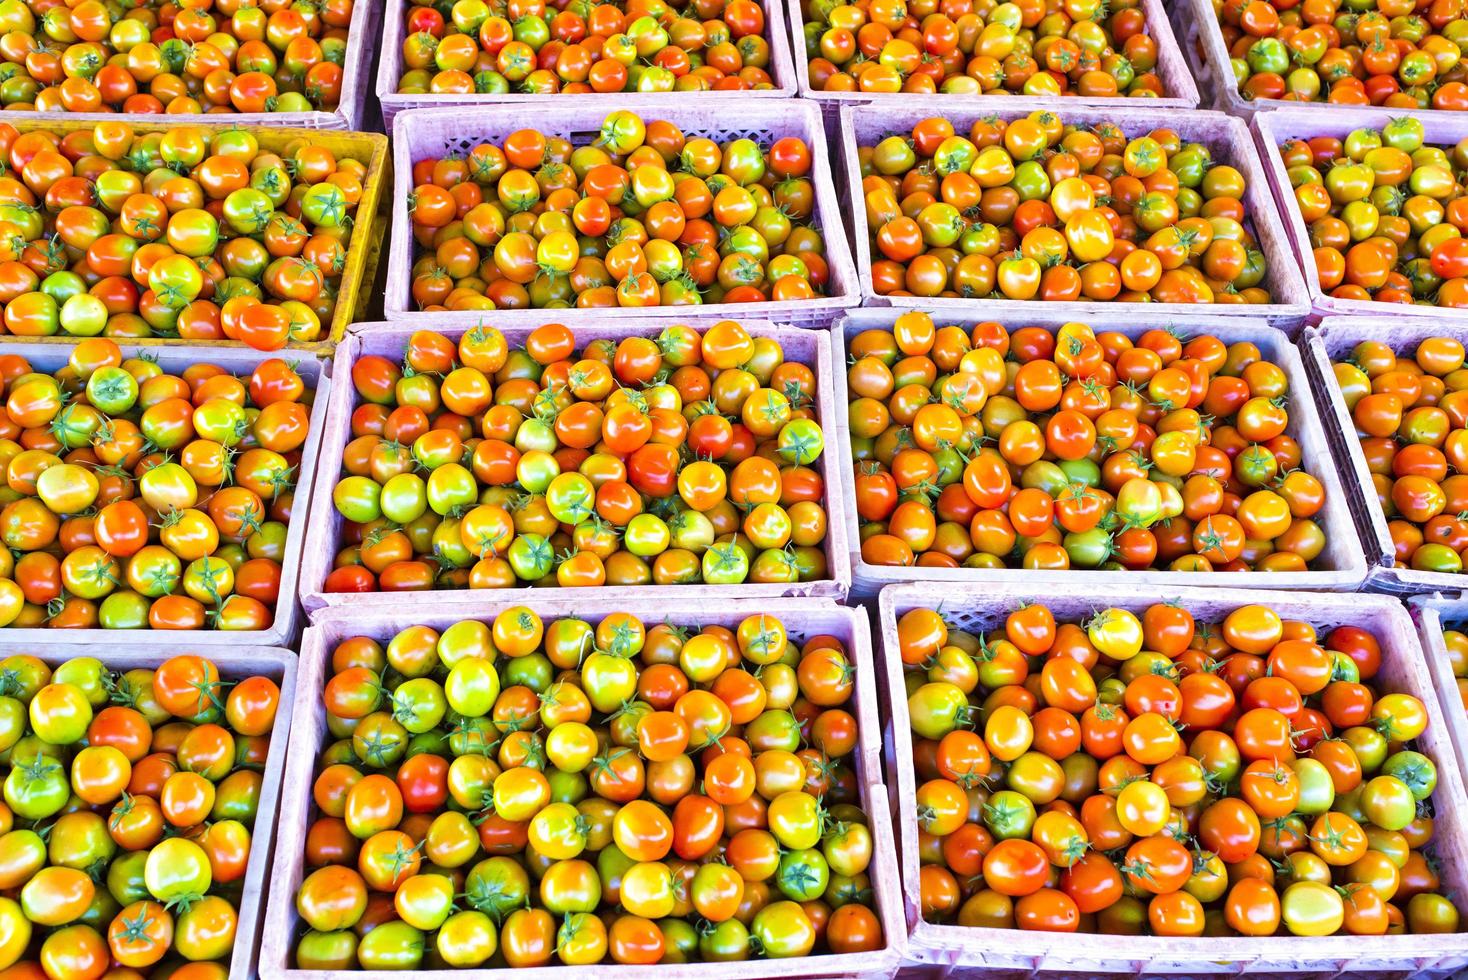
(975,952)
(810,347)
(390,70)
(367,231)
(801,618)
(244,661)
(427,133)
(1228,139)
(1274,128)
(238,360)
(1201,37)
(1342,567)
(1172,69)
(1321,346)
(349,113)
(1433,614)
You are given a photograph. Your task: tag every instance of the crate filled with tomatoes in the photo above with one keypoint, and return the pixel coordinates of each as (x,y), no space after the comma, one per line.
(618,214)
(992,451)
(899,53)
(681,457)
(1261,55)
(269,65)
(1375,206)
(1442,625)
(1388,391)
(141,787)
(1106,780)
(186,233)
(592,782)
(1011,209)
(155,488)
(472,53)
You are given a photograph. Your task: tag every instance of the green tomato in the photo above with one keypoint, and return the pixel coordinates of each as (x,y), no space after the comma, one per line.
(1388,802)
(124,610)
(404,498)
(425,900)
(1268,54)
(498,886)
(177,868)
(324,205)
(646,535)
(727,942)
(800,442)
(358,499)
(533,670)
(937,708)
(782,929)
(126,878)
(60,713)
(1009,814)
(536,469)
(531,557)
(802,875)
(466,939)
(1415,770)
(609,679)
(570,498)
(725,564)
(1088,549)
(326,950)
(392,945)
(472,687)
(449,486)
(419,705)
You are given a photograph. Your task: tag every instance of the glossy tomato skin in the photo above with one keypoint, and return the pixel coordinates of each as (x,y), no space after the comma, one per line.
(166,759)
(633,818)
(1415,491)
(982,212)
(1110,820)
(1092,450)
(239,247)
(582,476)
(156,540)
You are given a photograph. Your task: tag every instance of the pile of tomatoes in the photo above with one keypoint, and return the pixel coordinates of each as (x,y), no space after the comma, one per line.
(572,793)
(1396,53)
(1040,48)
(130,799)
(1152,775)
(1385,214)
(1044,448)
(641,216)
(190,233)
(1411,416)
(1036,209)
(159,57)
(668,460)
(647,46)
(139,499)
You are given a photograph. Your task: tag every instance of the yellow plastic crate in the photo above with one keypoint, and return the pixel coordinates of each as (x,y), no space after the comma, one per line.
(363,250)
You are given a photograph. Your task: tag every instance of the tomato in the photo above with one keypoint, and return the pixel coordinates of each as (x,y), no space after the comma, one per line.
(607,812)
(613,534)
(777,249)
(1246,825)
(129,847)
(1061,237)
(783,930)
(118,565)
